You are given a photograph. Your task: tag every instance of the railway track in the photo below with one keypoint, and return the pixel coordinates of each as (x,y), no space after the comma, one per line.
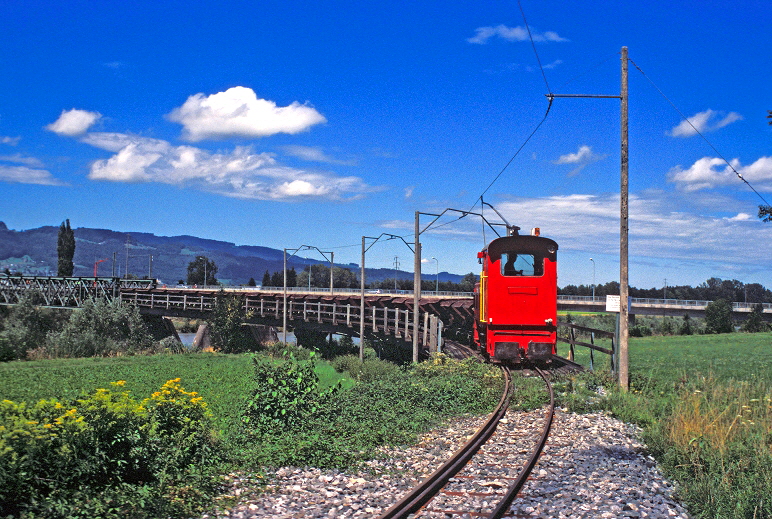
(485,475)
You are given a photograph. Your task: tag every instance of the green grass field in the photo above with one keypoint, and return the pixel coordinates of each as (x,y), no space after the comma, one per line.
(738,356)
(223,381)
(705,402)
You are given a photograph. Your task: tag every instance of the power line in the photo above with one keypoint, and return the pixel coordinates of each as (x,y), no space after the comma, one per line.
(533,44)
(739,175)
(549,107)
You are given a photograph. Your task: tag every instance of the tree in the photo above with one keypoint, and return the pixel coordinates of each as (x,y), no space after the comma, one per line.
(277,279)
(227,316)
(468,282)
(266,279)
(292,277)
(198,268)
(755,323)
(65,250)
(718,317)
(251,282)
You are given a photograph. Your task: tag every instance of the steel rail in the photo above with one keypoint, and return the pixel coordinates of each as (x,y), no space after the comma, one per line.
(429,487)
(503,507)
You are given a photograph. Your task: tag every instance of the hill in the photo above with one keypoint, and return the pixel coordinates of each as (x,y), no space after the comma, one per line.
(33,252)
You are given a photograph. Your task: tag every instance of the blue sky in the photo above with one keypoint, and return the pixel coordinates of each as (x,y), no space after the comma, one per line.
(290,123)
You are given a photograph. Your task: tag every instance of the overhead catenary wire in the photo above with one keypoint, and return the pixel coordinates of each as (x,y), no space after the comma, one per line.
(549,106)
(698,132)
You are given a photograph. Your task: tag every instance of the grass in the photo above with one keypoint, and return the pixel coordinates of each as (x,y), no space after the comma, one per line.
(223,381)
(705,402)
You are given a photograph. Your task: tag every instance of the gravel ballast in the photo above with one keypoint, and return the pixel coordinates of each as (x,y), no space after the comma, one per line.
(594,466)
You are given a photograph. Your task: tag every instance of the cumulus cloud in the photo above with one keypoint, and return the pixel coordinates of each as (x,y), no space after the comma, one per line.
(26,175)
(240,173)
(591,223)
(72,123)
(483,34)
(583,156)
(11,141)
(238,112)
(712,172)
(703,122)
(409,191)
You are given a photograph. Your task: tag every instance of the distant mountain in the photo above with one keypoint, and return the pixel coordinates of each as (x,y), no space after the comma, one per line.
(33,252)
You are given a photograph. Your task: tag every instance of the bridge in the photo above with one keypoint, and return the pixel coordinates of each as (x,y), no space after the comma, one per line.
(385,312)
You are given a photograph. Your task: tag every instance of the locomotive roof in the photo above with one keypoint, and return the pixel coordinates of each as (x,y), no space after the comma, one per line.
(526,244)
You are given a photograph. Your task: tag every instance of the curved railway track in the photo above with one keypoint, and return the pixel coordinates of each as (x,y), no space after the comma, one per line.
(421,497)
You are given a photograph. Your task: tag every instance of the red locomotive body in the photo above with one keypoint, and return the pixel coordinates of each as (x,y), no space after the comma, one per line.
(516,299)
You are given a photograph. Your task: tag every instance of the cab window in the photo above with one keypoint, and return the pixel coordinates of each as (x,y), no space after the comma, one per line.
(513,264)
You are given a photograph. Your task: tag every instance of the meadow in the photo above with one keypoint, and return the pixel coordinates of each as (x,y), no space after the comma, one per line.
(223,381)
(705,405)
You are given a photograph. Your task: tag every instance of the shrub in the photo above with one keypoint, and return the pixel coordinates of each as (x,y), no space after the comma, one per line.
(26,327)
(369,370)
(286,394)
(106,454)
(100,328)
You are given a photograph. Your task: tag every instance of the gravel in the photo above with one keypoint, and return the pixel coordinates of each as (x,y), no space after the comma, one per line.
(593,466)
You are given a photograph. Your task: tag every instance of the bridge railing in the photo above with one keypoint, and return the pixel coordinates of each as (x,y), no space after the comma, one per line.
(378,320)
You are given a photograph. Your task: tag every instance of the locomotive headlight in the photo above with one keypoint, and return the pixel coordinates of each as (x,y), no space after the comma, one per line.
(535,231)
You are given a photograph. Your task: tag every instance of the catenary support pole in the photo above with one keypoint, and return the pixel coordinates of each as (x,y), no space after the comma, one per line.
(362,306)
(416,286)
(284,318)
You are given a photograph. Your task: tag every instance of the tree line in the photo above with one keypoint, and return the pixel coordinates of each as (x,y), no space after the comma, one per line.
(345,278)
(711,290)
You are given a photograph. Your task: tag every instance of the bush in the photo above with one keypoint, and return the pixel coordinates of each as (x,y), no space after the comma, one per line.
(106,454)
(26,327)
(100,328)
(369,370)
(346,426)
(286,394)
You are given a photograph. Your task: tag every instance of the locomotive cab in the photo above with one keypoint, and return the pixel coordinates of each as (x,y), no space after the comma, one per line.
(516,300)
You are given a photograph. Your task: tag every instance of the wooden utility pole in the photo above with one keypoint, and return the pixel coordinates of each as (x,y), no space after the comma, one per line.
(624,290)
(624,381)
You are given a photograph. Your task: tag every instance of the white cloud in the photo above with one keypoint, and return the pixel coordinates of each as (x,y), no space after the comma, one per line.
(18,158)
(703,122)
(583,156)
(11,141)
(73,122)
(483,34)
(240,173)
(238,112)
(710,172)
(314,154)
(590,223)
(409,191)
(25,175)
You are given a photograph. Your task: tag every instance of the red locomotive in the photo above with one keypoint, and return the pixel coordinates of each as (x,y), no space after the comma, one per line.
(516,299)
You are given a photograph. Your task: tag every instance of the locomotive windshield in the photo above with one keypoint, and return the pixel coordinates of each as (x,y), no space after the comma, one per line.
(513,264)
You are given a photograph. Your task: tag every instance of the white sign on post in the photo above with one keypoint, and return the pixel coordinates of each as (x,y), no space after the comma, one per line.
(613,303)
